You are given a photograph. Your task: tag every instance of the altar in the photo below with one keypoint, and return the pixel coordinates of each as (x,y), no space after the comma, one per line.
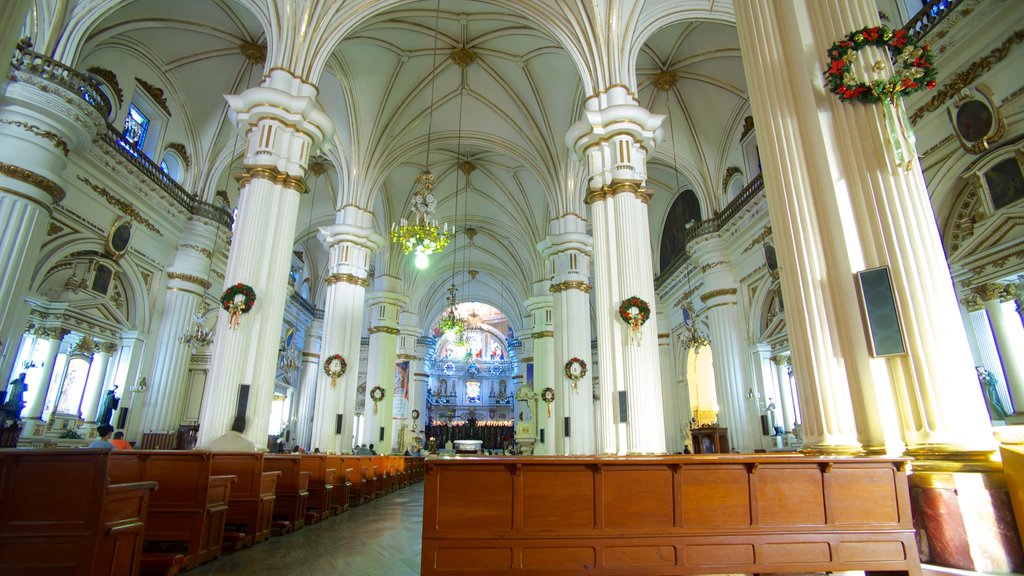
(469,446)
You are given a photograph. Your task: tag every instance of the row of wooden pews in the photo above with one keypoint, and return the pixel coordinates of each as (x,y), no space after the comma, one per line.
(84,512)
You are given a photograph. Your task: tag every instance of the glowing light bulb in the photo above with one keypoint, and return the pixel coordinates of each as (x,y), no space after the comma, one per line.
(422,260)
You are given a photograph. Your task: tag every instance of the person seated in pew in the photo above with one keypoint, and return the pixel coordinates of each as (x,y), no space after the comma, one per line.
(119,442)
(232,440)
(103,431)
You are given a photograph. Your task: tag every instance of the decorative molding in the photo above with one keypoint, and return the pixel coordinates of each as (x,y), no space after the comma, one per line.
(780,359)
(182,151)
(665,80)
(754,272)
(972,302)
(108,347)
(84,346)
(409,357)
(711,265)
(688,295)
(606,192)
(255,54)
(716,293)
(964,78)
(543,334)
(32,179)
(53,137)
(764,235)
(346,278)
(310,355)
(126,208)
(570,285)
(272,174)
(384,329)
(729,173)
(463,57)
(748,126)
(110,78)
(157,94)
(204,251)
(53,229)
(191,279)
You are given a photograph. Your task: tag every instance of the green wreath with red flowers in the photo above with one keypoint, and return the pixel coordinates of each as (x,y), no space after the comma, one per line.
(575,370)
(335,367)
(913,67)
(376,394)
(237,300)
(548,396)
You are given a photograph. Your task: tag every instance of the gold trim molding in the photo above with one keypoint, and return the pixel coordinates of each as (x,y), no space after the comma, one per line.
(156,93)
(191,279)
(716,293)
(32,179)
(383,329)
(764,235)
(711,265)
(199,249)
(126,208)
(607,192)
(272,174)
(110,78)
(53,137)
(346,278)
(310,355)
(570,285)
(182,151)
(410,357)
(544,334)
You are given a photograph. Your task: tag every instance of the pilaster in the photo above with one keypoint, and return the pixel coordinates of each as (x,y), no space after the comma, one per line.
(540,306)
(311,361)
(383,306)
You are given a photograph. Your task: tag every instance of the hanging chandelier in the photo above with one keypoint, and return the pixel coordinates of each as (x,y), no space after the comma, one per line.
(693,337)
(451,323)
(198,336)
(422,235)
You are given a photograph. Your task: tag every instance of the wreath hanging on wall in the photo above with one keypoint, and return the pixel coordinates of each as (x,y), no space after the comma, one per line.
(575,370)
(335,367)
(237,300)
(635,312)
(913,71)
(548,396)
(376,394)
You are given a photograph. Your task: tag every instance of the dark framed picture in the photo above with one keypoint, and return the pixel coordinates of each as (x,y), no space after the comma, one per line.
(880,312)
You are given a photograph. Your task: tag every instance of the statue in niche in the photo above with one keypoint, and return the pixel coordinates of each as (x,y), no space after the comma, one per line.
(989,389)
(107,406)
(502,390)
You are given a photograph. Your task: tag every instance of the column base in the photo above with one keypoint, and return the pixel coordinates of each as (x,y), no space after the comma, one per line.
(965,521)
(948,458)
(833,450)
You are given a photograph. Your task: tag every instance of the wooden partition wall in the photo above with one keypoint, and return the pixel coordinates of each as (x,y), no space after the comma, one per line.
(666,515)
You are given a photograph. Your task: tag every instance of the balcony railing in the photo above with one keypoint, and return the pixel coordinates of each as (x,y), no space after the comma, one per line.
(36,64)
(753,188)
(138,158)
(929,17)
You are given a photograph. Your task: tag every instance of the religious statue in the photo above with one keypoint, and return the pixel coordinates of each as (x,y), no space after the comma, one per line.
(107,406)
(989,388)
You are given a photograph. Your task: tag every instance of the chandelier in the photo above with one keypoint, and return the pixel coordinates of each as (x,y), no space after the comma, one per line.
(198,336)
(422,235)
(451,323)
(693,337)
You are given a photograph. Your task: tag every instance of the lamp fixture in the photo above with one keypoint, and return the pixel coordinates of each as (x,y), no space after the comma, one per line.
(451,323)
(198,335)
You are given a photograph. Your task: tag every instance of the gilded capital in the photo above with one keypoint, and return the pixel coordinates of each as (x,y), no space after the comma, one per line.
(570,285)
(29,177)
(780,359)
(988,292)
(108,347)
(347,279)
(972,302)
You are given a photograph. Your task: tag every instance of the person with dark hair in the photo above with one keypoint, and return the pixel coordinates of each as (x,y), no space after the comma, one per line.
(119,442)
(103,431)
(232,440)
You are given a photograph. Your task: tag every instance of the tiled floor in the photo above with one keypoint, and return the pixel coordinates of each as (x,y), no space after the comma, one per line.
(381,538)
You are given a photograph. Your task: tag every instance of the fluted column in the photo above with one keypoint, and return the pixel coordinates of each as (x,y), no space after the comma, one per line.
(96,382)
(543,337)
(43,118)
(410,349)
(568,248)
(187,282)
(673,387)
(285,124)
(736,411)
(1009,339)
(307,391)
(39,387)
(614,137)
(781,363)
(383,306)
(764,380)
(350,243)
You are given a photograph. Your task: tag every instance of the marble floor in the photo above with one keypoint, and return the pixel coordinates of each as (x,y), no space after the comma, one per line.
(379,538)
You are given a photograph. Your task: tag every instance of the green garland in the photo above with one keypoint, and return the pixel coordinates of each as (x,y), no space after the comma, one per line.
(913,71)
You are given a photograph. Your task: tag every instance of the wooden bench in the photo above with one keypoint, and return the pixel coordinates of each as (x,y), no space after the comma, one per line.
(342,483)
(291,492)
(59,514)
(321,486)
(358,493)
(188,511)
(666,515)
(251,504)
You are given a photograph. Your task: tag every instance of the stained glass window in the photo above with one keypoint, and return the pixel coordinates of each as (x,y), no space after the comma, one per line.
(135,126)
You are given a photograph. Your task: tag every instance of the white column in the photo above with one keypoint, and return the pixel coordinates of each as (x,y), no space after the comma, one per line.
(1009,340)
(410,349)
(737,411)
(540,306)
(350,243)
(764,380)
(614,138)
(677,403)
(383,305)
(781,363)
(976,318)
(307,389)
(568,248)
(284,125)
(39,387)
(188,280)
(96,382)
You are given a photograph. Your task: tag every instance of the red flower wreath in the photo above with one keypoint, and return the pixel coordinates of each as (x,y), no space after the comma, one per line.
(914,69)
(376,394)
(335,367)
(575,370)
(635,312)
(237,300)
(548,396)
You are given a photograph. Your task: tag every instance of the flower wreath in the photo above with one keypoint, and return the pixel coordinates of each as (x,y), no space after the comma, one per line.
(575,370)
(913,70)
(635,312)
(548,396)
(331,371)
(415,414)
(237,300)
(376,394)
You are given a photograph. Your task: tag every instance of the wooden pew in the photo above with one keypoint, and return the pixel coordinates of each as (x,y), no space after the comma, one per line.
(191,505)
(358,492)
(667,515)
(291,492)
(59,515)
(252,497)
(321,486)
(342,483)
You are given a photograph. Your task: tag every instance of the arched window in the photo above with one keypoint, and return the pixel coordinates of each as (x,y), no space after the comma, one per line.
(684,210)
(1005,183)
(136,124)
(172,165)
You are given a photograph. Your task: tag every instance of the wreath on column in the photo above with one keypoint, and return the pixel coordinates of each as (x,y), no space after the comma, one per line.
(237,300)
(376,394)
(635,312)
(335,367)
(548,396)
(415,414)
(913,70)
(575,370)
